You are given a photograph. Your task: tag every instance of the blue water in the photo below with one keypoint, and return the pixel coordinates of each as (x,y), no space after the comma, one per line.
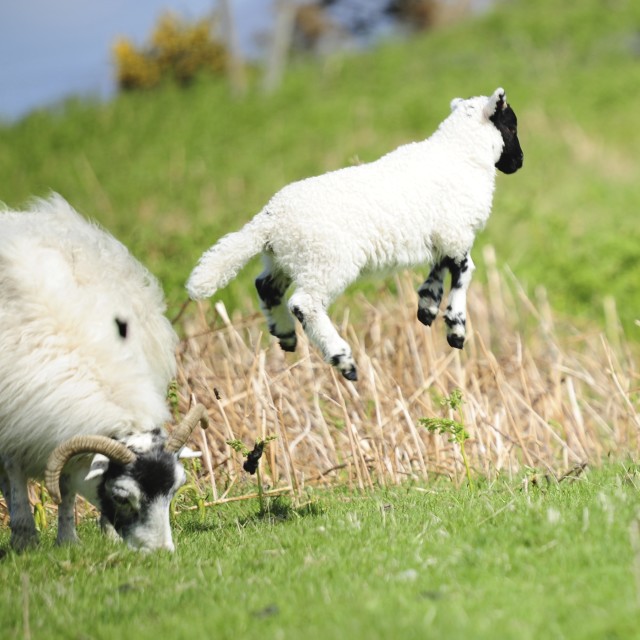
(50,49)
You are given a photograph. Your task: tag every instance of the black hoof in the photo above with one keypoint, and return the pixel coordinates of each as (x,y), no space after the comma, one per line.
(345,366)
(351,374)
(457,342)
(290,347)
(288,341)
(425,316)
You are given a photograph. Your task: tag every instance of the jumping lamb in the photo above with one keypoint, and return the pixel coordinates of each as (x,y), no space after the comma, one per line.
(422,203)
(86,355)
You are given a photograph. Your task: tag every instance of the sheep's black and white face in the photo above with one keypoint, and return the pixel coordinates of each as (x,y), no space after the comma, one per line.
(135,499)
(506,122)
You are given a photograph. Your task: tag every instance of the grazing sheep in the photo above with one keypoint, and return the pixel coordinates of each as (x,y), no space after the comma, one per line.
(85,358)
(422,203)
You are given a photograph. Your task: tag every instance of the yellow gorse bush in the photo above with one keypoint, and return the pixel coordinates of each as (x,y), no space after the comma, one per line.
(178,50)
(135,70)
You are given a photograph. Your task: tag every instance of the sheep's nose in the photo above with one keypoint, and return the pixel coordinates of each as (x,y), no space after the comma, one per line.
(148,546)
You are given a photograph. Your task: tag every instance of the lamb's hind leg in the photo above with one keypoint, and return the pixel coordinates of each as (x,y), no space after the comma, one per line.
(272,285)
(455,316)
(317,325)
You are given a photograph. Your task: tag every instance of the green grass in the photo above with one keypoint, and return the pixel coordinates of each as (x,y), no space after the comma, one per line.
(552,561)
(171,171)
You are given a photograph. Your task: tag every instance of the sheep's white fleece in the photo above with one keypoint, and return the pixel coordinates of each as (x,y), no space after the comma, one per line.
(423,201)
(64,368)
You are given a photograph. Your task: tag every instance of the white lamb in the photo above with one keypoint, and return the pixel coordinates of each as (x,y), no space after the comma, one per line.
(422,203)
(86,354)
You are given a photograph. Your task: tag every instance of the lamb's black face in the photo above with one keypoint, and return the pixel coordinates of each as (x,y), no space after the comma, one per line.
(507,124)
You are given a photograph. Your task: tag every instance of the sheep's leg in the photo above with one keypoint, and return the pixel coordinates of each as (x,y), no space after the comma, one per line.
(431,292)
(318,326)
(23,526)
(5,487)
(455,316)
(66,513)
(272,286)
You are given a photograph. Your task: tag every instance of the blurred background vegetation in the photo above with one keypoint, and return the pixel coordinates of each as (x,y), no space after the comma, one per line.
(170,170)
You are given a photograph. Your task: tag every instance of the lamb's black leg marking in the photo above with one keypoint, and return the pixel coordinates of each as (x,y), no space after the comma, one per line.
(271,287)
(297,312)
(431,292)
(269,290)
(455,315)
(312,314)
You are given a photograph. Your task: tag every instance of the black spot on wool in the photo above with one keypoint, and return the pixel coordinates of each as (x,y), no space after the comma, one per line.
(122,328)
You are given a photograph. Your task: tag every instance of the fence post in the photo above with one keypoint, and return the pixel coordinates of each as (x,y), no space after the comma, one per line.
(280,44)
(235,67)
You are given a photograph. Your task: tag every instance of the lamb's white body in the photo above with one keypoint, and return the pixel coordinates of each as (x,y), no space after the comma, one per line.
(422,203)
(65,368)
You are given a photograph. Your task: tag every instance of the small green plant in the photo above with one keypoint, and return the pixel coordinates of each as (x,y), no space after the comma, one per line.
(454,428)
(251,463)
(172,398)
(39,512)
(190,492)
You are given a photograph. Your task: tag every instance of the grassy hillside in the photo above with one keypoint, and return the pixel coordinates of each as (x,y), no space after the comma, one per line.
(170,171)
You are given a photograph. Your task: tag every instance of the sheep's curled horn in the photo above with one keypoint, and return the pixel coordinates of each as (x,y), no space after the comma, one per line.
(108,447)
(180,435)
(112,449)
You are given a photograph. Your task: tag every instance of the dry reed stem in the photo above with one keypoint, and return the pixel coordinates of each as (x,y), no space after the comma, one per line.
(248,496)
(535,395)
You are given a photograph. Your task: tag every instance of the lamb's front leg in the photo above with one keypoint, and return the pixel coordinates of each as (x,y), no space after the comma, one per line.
(318,326)
(455,316)
(430,293)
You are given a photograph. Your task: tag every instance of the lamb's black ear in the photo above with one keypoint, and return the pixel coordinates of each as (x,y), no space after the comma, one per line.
(496,102)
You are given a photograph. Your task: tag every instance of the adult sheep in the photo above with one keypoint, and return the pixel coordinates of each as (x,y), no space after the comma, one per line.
(422,203)
(86,354)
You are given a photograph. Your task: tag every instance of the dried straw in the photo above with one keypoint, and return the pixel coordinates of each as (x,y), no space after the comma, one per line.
(535,395)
